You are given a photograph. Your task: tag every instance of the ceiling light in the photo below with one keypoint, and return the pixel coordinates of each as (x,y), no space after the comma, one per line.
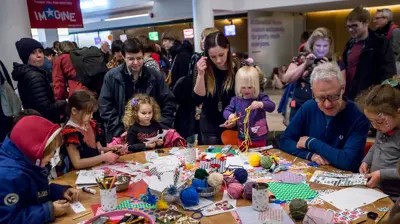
(126,17)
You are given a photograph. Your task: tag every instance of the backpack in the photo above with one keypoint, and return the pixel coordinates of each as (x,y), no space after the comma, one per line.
(173,139)
(90,66)
(10,103)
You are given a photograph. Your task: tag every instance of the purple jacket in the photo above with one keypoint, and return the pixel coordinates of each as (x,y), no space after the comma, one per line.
(257,121)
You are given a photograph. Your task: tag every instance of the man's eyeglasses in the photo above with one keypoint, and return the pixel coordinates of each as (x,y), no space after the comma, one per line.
(352,26)
(331,98)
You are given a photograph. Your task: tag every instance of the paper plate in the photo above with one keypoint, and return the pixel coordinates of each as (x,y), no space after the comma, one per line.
(116,216)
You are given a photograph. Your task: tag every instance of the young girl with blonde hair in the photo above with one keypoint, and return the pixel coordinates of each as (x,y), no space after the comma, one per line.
(141,119)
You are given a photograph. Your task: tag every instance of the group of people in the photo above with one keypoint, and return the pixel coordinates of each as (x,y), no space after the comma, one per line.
(202,93)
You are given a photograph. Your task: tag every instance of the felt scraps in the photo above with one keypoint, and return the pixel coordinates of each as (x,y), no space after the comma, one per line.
(288,177)
(346,216)
(317,200)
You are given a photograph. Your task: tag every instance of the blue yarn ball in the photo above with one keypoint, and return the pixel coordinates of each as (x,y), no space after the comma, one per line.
(198,184)
(189,197)
(241,175)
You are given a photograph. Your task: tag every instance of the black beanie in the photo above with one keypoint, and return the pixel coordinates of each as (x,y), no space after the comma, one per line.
(26,46)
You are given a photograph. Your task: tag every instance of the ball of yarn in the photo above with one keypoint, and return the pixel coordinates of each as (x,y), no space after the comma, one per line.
(241,175)
(189,197)
(254,159)
(248,191)
(199,184)
(215,179)
(235,190)
(266,162)
(200,174)
(298,209)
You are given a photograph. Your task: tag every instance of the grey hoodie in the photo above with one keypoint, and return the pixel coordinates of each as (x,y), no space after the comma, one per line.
(383,156)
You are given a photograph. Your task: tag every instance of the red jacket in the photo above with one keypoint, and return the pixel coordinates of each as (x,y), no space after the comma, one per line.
(64,78)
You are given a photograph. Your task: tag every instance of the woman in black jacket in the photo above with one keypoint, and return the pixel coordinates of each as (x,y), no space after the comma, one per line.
(33,86)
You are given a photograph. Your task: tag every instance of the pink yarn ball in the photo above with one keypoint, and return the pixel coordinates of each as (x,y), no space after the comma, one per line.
(235,190)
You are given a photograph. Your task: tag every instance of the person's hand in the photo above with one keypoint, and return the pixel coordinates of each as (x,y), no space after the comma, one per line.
(323,60)
(310,59)
(231,122)
(160,142)
(374,178)
(256,105)
(123,135)
(123,150)
(319,159)
(71,194)
(301,144)
(364,168)
(110,157)
(150,145)
(201,66)
(60,207)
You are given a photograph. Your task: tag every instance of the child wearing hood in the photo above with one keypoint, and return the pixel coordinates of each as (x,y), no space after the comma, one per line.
(26,157)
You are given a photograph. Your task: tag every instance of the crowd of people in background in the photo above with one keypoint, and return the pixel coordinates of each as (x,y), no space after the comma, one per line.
(147,88)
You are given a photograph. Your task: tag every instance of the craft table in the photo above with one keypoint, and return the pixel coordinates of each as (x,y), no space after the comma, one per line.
(88,199)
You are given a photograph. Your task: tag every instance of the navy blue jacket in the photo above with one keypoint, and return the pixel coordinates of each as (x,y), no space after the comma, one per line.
(25,193)
(341,141)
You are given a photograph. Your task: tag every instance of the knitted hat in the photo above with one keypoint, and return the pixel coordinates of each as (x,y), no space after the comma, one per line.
(32,134)
(25,47)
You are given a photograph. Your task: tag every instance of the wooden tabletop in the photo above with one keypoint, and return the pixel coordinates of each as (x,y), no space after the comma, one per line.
(88,199)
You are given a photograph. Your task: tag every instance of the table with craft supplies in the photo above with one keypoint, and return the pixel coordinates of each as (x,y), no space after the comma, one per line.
(322,186)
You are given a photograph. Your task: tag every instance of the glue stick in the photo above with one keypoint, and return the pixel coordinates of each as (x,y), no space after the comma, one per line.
(89,190)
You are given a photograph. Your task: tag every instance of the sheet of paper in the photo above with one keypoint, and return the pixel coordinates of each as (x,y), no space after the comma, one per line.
(88,177)
(288,177)
(248,215)
(229,199)
(338,179)
(77,207)
(237,161)
(218,208)
(353,197)
(157,137)
(202,203)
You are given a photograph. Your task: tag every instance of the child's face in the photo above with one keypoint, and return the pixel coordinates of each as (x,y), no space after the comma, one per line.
(381,122)
(46,159)
(247,92)
(81,116)
(145,114)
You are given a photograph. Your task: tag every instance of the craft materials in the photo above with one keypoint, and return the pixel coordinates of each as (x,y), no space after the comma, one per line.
(226,197)
(347,216)
(172,194)
(235,190)
(189,197)
(248,190)
(81,215)
(77,207)
(254,159)
(89,190)
(218,208)
(149,197)
(240,175)
(108,199)
(246,129)
(198,184)
(162,204)
(288,177)
(353,197)
(87,178)
(318,215)
(200,174)
(273,215)
(338,179)
(215,179)
(203,202)
(298,209)
(260,196)
(287,192)
(266,162)
(372,215)
(317,200)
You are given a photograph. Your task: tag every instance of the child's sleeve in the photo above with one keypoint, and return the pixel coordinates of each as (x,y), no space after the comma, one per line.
(57,191)
(269,106)
(389,174)
(134,145)
(13,206)
(71,136)
(368,158)
(230,109)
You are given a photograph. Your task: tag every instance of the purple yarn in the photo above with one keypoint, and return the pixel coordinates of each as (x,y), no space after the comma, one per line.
(248,191)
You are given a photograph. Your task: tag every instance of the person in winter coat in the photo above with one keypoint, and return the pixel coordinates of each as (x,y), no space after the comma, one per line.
(33,86)
(64,74)
(25,193)
(128,79)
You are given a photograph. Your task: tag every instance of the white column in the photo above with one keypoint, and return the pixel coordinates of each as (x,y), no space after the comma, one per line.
(203,17)
(14,24)
(47,36)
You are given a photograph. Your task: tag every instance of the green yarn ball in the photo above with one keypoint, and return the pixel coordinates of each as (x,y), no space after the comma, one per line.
(298,209)
(201,174)
(266,162)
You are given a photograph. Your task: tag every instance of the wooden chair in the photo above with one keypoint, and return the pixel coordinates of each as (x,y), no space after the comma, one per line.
(229,137)
(367,147)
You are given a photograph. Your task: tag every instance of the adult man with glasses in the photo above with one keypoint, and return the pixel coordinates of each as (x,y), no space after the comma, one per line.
(124,81)
(385,27)
(328,129)
(368,58)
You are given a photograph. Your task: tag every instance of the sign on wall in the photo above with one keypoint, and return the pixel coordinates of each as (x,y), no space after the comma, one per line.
(55,13)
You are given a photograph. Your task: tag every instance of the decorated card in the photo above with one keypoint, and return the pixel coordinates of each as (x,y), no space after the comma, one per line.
(338,179)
